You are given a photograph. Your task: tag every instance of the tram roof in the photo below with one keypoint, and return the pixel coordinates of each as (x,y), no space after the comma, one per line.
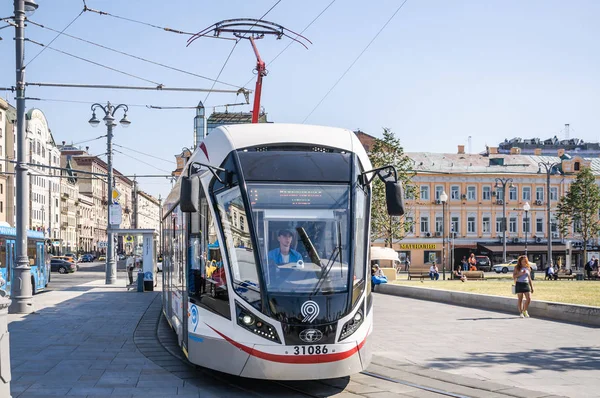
(224,139)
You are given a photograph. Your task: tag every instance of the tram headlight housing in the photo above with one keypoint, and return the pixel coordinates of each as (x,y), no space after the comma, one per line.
(254,324)
(352,325)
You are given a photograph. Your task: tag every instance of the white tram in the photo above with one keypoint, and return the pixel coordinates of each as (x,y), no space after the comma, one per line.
(265,264)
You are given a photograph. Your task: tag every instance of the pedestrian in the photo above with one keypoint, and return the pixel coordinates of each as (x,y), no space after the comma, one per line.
(129,263)
(434,273)
(596,265)
(472,262)
(458,274)
(407,264)
(589,266)
(464,264)
(523,285)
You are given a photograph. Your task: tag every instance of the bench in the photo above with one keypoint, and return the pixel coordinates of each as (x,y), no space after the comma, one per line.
(419,275)
(565,274)
(471,275)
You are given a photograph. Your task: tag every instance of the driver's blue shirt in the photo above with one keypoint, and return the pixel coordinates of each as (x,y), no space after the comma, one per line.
(275,257)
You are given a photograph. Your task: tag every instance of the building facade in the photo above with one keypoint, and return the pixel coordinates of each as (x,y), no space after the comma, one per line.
(6,128)
(477,208)
(147,211)
(85,223)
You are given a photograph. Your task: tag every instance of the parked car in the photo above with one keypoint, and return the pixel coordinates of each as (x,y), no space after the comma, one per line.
(510,267)
(87,258)
(102,257)
(483,263)
(62,266)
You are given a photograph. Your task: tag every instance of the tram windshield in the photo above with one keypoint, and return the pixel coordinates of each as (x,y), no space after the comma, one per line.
(303,236)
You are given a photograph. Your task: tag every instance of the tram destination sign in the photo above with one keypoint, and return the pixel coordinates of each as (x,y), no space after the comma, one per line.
(290,196)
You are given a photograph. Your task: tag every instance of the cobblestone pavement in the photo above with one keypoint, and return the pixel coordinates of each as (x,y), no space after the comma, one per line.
(88,339)
(542,355)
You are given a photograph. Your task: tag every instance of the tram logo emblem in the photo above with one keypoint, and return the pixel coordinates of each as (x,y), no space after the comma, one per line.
(311,335)
(309,310)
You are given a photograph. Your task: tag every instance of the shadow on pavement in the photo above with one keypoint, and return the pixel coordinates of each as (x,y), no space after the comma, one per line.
(560,359)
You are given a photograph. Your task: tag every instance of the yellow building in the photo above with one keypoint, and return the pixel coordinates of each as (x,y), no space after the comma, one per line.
(476,204)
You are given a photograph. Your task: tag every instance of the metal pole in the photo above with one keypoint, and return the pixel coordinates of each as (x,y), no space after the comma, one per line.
(504,221)
(548,170)
(21,294)
(111,269)
(444,240)
(526,230)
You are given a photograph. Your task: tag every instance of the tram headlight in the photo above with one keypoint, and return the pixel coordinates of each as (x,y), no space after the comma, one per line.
(352,325)
(255,325)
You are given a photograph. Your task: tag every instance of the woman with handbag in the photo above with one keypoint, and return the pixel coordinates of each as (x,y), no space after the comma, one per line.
(523,285)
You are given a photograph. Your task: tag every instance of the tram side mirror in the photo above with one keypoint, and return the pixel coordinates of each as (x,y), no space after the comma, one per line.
(188,194)
(394,197)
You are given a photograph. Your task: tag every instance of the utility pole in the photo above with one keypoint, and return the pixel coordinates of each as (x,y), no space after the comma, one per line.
(549,168)
(502,182)
(134,220)
(21,293)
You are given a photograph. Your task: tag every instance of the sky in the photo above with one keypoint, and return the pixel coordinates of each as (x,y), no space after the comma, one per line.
(439,72)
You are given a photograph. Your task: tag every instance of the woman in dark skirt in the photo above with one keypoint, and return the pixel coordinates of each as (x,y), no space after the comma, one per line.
(523,285)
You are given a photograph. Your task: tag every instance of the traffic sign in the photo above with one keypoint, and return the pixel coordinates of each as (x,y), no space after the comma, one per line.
(116,215)
(103,244)
(116,194)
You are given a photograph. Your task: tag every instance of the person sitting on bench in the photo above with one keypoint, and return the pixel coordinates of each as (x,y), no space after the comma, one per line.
(550,274)
(434,273)
(458,274)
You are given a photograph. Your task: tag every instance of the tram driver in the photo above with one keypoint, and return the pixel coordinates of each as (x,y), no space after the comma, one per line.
(284,254)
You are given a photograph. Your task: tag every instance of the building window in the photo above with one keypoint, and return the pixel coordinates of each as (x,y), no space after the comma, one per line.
(455,192)
(576,166)
(512,224)
(554,225)
(1,207)
(454,227)
(411,226)
(498,224)
(539,193)
(424,224)
(439,224)
(1,188)
(471,225)
(409,193)
(553,193)
(512,193)
(425,192)
(486,193)
(438,191)
(471,193)
(539,225)
(241,223)
(526,194)
(485,225)
(526,228)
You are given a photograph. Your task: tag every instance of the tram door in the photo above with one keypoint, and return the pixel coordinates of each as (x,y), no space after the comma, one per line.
(42,277)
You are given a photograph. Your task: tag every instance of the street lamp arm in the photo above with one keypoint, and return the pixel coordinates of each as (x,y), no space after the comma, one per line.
(96,106)
(120,106)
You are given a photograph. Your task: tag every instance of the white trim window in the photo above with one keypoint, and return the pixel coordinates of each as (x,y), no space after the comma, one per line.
(539,194)
(526,194)
(554,193)
(512,225)
(512,193)
(539,224)
(486,193)
(471,193)
(485,225)
(425,192)
(471,225)
(439,224)
(438,191)
(455,192)
(424,224)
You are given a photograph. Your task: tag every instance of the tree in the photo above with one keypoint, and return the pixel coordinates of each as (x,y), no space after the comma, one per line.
(579,207)
(388,151)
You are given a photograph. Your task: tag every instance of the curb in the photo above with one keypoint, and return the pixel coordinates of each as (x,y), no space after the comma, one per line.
(581,314)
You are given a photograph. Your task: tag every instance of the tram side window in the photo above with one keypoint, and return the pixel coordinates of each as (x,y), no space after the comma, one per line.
(208,279)
(359,244)
(239,245)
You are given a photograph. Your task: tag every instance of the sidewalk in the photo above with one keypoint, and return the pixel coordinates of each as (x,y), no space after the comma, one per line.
(80,343)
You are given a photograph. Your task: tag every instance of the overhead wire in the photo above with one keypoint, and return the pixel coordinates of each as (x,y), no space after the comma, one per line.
(133,56)
(291,41)
(166,29)
(95,63)
(155,107)
(143,153)
(235,45)
(55,37)
(141,161)
(355,60)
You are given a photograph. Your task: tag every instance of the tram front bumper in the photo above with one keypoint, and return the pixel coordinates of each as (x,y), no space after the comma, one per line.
(281,362)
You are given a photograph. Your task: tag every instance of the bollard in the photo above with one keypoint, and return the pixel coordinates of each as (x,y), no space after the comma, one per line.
(140,281)
(4,349)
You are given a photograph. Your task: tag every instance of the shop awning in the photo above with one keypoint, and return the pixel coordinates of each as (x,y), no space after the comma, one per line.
(520,248)
(384,253)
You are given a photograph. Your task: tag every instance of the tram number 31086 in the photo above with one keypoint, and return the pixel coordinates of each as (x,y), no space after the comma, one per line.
(310,350)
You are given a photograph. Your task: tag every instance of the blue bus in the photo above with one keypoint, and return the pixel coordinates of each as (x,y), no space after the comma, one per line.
(38,258)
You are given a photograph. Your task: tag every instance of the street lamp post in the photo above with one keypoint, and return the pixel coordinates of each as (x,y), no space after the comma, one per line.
(526,208)
(550,168)
(21,293)
(502,182)
(444,199)
(109,118)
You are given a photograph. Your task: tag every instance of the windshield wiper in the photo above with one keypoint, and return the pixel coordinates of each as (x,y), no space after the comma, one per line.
(334,255)
(312,252)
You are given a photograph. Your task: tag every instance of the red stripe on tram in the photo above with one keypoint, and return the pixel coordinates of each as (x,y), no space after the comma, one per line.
(299,359)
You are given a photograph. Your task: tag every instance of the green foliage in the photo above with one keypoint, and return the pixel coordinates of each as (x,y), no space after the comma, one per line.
(388,151)
(580,206)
